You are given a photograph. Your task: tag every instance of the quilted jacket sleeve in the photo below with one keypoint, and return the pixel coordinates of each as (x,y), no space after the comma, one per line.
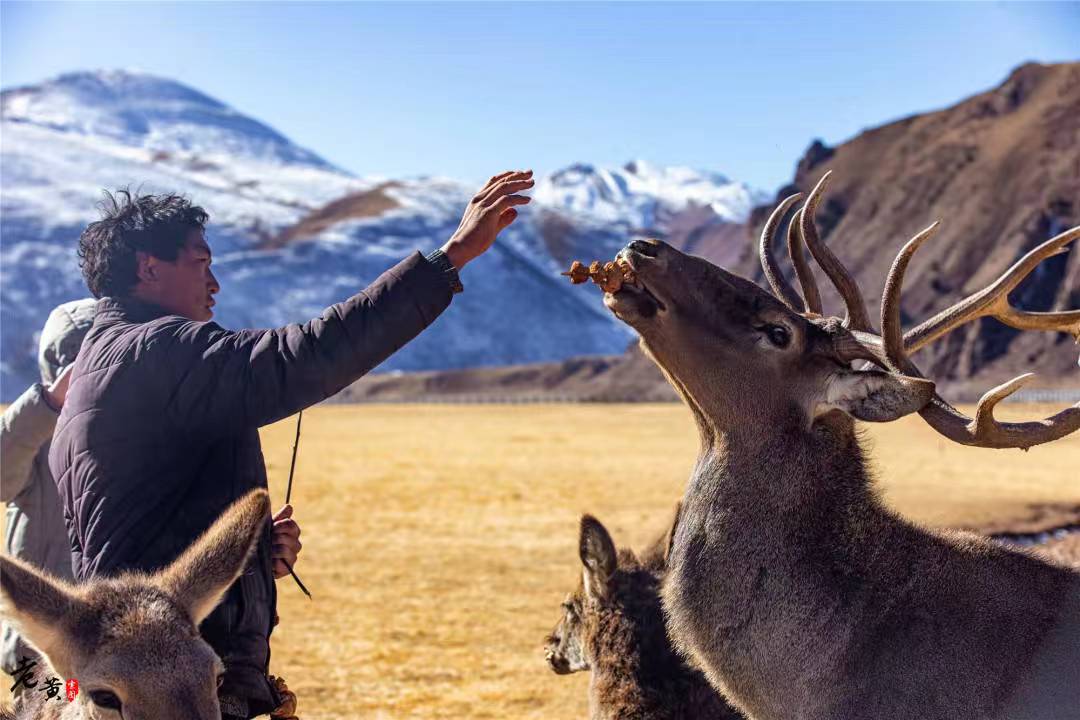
(256,377)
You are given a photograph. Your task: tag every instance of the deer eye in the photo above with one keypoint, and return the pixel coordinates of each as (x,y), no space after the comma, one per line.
(105,699)
(778,335)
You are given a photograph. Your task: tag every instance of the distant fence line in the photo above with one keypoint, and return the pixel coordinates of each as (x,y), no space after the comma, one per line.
(1069,395)
(512,400)
(507,400)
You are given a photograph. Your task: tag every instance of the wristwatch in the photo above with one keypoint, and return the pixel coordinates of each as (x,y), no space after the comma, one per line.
(441,262)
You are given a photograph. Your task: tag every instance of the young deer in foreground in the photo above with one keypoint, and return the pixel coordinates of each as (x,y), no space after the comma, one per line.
(613,625)
(132,641)
(790,582)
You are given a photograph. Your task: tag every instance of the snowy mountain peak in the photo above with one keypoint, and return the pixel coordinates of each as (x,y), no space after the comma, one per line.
(140,110)
(637,193)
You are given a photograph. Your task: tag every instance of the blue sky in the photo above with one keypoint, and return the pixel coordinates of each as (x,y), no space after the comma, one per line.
(467,89)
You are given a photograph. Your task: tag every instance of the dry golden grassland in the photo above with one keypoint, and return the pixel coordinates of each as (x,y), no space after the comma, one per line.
(440,540)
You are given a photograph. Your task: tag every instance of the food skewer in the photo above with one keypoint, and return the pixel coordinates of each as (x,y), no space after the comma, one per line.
(610,276)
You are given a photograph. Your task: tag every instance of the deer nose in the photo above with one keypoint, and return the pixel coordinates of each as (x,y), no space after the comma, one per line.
(560,665)
(648,248)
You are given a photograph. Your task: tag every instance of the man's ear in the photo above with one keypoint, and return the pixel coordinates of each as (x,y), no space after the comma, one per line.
(199,578)
(874,395)
(42,608)
(598,556)
(145,266)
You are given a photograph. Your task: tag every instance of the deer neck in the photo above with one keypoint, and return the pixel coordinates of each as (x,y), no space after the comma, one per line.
(786,567)
(809,475)
(635,669)
(614,694)
(771,524)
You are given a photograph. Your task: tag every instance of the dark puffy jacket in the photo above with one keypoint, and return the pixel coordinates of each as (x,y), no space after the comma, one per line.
(159,434)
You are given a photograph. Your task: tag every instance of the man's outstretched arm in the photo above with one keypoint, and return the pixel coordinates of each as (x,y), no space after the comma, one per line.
(234,379)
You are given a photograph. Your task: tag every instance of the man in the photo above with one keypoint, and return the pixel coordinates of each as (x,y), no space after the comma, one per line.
(160,430)
(35,529)
(35,522)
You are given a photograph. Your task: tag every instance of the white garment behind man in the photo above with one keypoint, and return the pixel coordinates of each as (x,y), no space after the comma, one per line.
(35,529)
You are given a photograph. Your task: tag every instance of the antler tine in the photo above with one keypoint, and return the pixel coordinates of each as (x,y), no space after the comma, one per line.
(857,317)
(984,430)
(780,286)
(892,334)
(811,296)
(984,412)
(994,300)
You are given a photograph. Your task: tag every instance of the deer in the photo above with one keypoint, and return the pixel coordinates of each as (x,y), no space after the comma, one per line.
(132,641)
(790,582)
(612,625)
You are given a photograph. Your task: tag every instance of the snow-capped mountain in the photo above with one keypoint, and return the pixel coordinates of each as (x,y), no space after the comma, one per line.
(139,110)
(67,139)
(640,194)
(292,233)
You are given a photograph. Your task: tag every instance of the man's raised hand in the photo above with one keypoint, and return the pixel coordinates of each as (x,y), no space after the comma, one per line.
(489,212)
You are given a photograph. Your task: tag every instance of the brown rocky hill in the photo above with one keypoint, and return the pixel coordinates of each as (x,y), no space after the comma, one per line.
(1001,170)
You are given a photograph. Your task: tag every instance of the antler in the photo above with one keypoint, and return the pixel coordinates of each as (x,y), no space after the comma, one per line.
(810,301)
(776,278)
(857,316)
(993,300)
(892,335)
(811,296)
(984,430)
(856,339)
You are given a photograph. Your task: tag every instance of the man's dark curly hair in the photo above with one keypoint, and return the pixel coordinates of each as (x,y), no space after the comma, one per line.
(155,224)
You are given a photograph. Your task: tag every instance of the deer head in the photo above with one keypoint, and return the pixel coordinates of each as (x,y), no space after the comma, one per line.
(132,641)
(613,583)
(745,359)
(568,644)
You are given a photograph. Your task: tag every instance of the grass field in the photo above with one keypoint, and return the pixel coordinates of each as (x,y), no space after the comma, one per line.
(440,540)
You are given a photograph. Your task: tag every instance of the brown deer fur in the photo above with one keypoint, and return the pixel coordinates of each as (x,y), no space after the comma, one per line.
(133,639)
(789,581)
(613,625)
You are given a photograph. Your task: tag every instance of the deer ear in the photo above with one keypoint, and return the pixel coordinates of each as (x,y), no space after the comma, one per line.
(874,395)
(41,607)
(598,556)
(199,578)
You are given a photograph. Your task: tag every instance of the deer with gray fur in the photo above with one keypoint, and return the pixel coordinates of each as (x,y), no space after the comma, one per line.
(790,582)
(613,626)
(132,641)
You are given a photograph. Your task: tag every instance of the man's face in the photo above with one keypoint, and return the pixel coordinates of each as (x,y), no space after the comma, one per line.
(185,286)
